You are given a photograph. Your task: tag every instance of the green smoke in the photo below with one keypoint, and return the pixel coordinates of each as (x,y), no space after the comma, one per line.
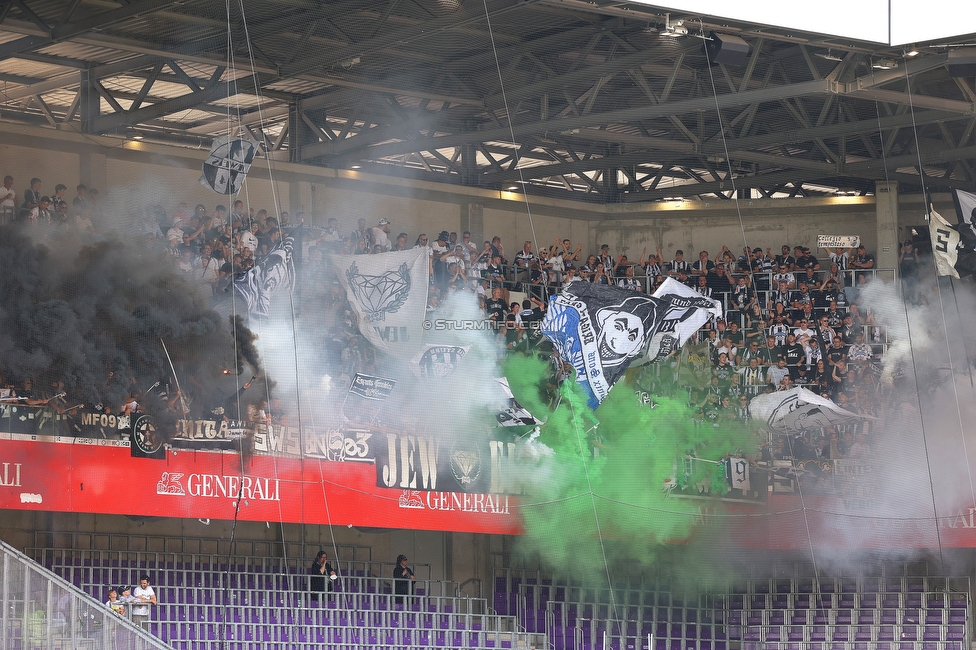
(579,507)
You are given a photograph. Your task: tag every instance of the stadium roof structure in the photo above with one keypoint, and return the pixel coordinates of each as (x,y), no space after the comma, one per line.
(604,101)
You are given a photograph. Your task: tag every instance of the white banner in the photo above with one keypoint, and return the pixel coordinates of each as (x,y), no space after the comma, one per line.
(681,320)
(739,473)
(838,241)
(798,410)
(388,293)
(967,206)
(945,240)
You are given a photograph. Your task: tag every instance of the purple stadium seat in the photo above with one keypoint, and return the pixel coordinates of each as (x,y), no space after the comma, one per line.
(866,617)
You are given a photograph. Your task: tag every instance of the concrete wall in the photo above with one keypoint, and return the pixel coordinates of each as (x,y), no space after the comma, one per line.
(143,173)
(25,162)
(696,226)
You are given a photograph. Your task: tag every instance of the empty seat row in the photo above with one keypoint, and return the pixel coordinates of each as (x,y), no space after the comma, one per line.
(926,600)
(849,633)
(906,616)
(370,635)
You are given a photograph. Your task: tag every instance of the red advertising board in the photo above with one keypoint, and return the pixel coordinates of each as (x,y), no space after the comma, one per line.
(101,476)
(78,475)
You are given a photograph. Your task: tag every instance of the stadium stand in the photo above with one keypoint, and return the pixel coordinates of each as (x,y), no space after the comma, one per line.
(880,612)
(246,602)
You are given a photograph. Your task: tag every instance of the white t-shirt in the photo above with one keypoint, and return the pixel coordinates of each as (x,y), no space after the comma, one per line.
(139,608)
(803,334)
(8,198)
(208,271)
(380,238)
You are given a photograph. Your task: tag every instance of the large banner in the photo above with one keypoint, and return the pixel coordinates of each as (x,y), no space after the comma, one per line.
(601,330)
(100,476)
(388,293)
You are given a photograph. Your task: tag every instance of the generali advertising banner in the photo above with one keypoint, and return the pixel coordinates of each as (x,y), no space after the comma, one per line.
(101,476)
(379,479)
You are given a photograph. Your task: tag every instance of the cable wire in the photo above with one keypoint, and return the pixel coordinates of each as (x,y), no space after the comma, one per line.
(511,129)
(945,331)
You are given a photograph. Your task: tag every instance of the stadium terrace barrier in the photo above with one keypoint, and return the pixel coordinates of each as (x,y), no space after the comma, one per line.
(41,611)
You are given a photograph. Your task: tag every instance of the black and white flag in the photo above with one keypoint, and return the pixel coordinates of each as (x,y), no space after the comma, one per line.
(366,398)
(798,410)
(738,473)
(435,362)
(966,212)
(510,412)
(227,165)
(270,276)
(687,311)
(945,244)
(388,293)
(602,329)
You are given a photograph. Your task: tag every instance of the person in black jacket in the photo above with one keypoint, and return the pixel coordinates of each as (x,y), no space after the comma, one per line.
(402,576)
(319,570)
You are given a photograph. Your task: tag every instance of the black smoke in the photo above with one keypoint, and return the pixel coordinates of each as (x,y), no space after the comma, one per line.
(96,317)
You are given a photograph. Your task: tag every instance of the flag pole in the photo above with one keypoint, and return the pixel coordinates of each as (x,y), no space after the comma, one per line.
(175,378)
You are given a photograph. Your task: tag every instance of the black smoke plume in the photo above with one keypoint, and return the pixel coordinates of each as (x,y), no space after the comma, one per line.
(95,317)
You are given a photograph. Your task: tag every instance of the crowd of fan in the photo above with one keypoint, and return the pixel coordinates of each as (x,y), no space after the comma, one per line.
(53,209)
(211,247)
(792,319)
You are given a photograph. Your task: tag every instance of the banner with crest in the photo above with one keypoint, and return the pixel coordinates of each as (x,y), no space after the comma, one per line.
(226,167)
(388,293)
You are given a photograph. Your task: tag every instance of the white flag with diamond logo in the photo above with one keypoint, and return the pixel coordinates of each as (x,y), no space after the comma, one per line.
(388,293)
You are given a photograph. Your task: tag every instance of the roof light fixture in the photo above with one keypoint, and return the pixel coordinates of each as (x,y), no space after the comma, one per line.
(676,28)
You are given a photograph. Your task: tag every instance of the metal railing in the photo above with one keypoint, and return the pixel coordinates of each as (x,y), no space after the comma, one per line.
(154,547)
(40,611)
